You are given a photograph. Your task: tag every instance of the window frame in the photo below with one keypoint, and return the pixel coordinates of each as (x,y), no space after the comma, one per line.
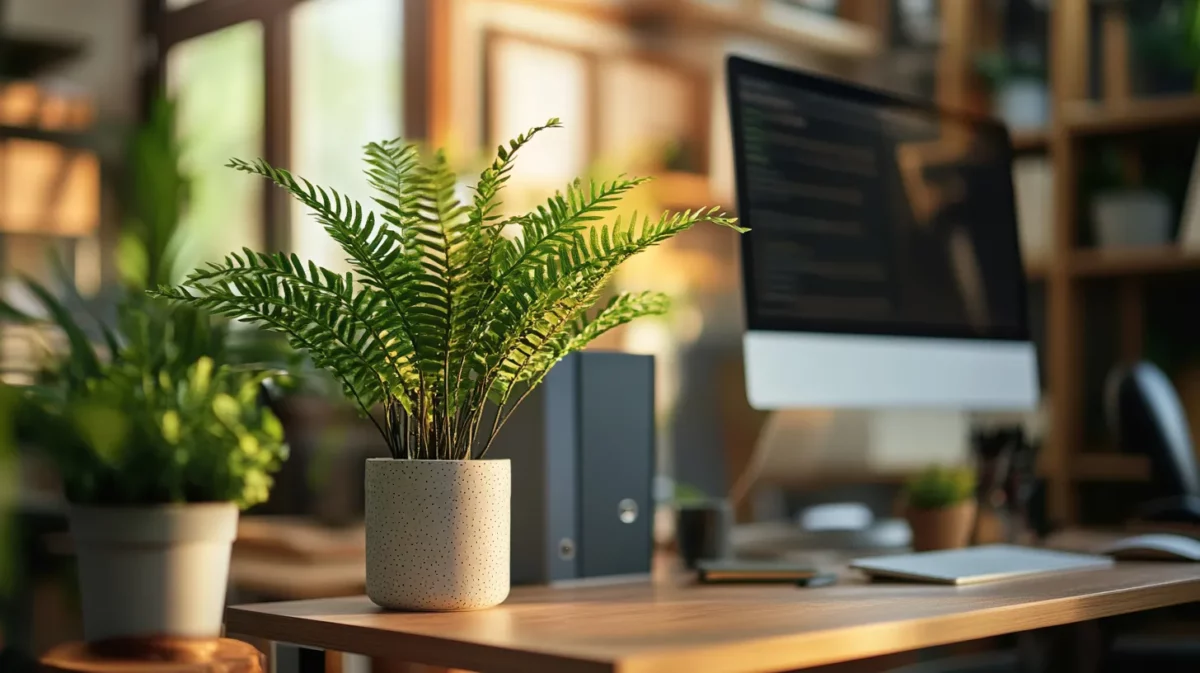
(424,21)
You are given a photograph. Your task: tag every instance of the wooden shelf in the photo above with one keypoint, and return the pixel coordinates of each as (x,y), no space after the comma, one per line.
(1133,261)
(30,55)
(1030,141)
(825,34)
(71,139)
(1110,466)
(1086,118)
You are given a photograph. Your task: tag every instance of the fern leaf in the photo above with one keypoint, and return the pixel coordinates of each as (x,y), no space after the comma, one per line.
(555,223)
(495,176)
(297,284)
(373,250)
(572,280)
(444,244)
(482,236)
(311,325)
(620,310)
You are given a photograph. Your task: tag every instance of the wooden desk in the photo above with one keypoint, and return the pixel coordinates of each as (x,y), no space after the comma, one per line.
(674,626)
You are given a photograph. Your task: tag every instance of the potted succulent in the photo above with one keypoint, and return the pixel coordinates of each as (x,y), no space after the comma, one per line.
(445,324)
(940,508)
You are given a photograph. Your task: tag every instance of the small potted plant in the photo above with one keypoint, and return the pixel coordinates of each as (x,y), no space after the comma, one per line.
(1165,38)
(157,443)
(157,448)
(445,325)
(1018,84)
(940,508)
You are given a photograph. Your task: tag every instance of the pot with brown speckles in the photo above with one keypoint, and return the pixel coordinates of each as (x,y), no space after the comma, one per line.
(438,533)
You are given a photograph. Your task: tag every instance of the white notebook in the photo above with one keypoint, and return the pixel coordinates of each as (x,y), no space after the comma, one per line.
(987,563)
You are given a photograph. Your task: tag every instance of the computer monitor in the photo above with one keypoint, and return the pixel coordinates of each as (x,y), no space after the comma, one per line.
(882,267)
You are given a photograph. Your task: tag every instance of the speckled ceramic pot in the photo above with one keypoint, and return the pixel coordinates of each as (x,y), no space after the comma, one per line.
(438,533)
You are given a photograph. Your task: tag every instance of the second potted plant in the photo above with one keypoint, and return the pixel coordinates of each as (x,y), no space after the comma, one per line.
(444,326)
(940,508)
(157,450)
(157,443)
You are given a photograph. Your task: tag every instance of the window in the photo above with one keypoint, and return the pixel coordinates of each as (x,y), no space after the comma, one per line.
(217,80)
(345,93)
(301,83)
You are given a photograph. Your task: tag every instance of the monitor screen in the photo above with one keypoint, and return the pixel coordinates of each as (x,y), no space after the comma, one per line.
(869,214)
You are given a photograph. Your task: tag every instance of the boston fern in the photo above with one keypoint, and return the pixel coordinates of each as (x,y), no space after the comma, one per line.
(442,312)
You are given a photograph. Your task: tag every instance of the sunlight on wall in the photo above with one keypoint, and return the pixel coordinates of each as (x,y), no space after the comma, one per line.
(347,93)
(217,80)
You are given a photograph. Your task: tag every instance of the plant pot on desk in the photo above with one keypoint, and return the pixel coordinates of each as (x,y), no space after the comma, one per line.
(941,527)
(1130,218)
(157,570)
(438,533)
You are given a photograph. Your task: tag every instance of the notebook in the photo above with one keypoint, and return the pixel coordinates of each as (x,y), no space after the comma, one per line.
(741,570)
(972,565)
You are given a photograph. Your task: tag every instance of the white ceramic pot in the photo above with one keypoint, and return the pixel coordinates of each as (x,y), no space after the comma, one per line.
(1131,218)
(1024,104)
(438,533)
(153,571)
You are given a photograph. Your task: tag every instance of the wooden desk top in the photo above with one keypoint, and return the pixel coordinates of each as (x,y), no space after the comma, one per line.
(675,626)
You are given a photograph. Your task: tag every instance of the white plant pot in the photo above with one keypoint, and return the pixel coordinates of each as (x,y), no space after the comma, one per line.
(1131,218)
(438,533)
(1023,104)
(153,571)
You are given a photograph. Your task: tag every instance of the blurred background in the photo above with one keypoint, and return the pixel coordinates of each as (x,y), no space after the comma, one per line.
(1101,98)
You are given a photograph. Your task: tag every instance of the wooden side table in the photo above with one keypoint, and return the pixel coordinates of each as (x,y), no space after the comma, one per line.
(158,655)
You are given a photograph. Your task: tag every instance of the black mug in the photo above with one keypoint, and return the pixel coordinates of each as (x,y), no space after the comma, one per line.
(703,531)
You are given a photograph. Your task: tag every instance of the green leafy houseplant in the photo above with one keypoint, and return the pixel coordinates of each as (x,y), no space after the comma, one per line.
(1167,39)
(939,487)
(999,68)
(157,447)
(157,439)
(147,418)
(157,422)
(155,192)
(443,312)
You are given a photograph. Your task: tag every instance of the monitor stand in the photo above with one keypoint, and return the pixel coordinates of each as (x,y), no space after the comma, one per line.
(801,445)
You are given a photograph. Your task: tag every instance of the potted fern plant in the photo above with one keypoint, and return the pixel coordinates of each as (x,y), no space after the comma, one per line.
(444,325)
(940,508)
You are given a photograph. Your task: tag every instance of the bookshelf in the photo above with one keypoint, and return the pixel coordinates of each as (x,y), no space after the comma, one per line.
(1067,271)
(1078,119)
(1131,116)
(1098,263)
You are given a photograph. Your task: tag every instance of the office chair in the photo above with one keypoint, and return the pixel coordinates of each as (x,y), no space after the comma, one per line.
(1146,417)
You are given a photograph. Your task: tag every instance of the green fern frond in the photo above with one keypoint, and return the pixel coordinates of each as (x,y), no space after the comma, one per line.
(620,310)
(441,312)
(495,176)
(564,335)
